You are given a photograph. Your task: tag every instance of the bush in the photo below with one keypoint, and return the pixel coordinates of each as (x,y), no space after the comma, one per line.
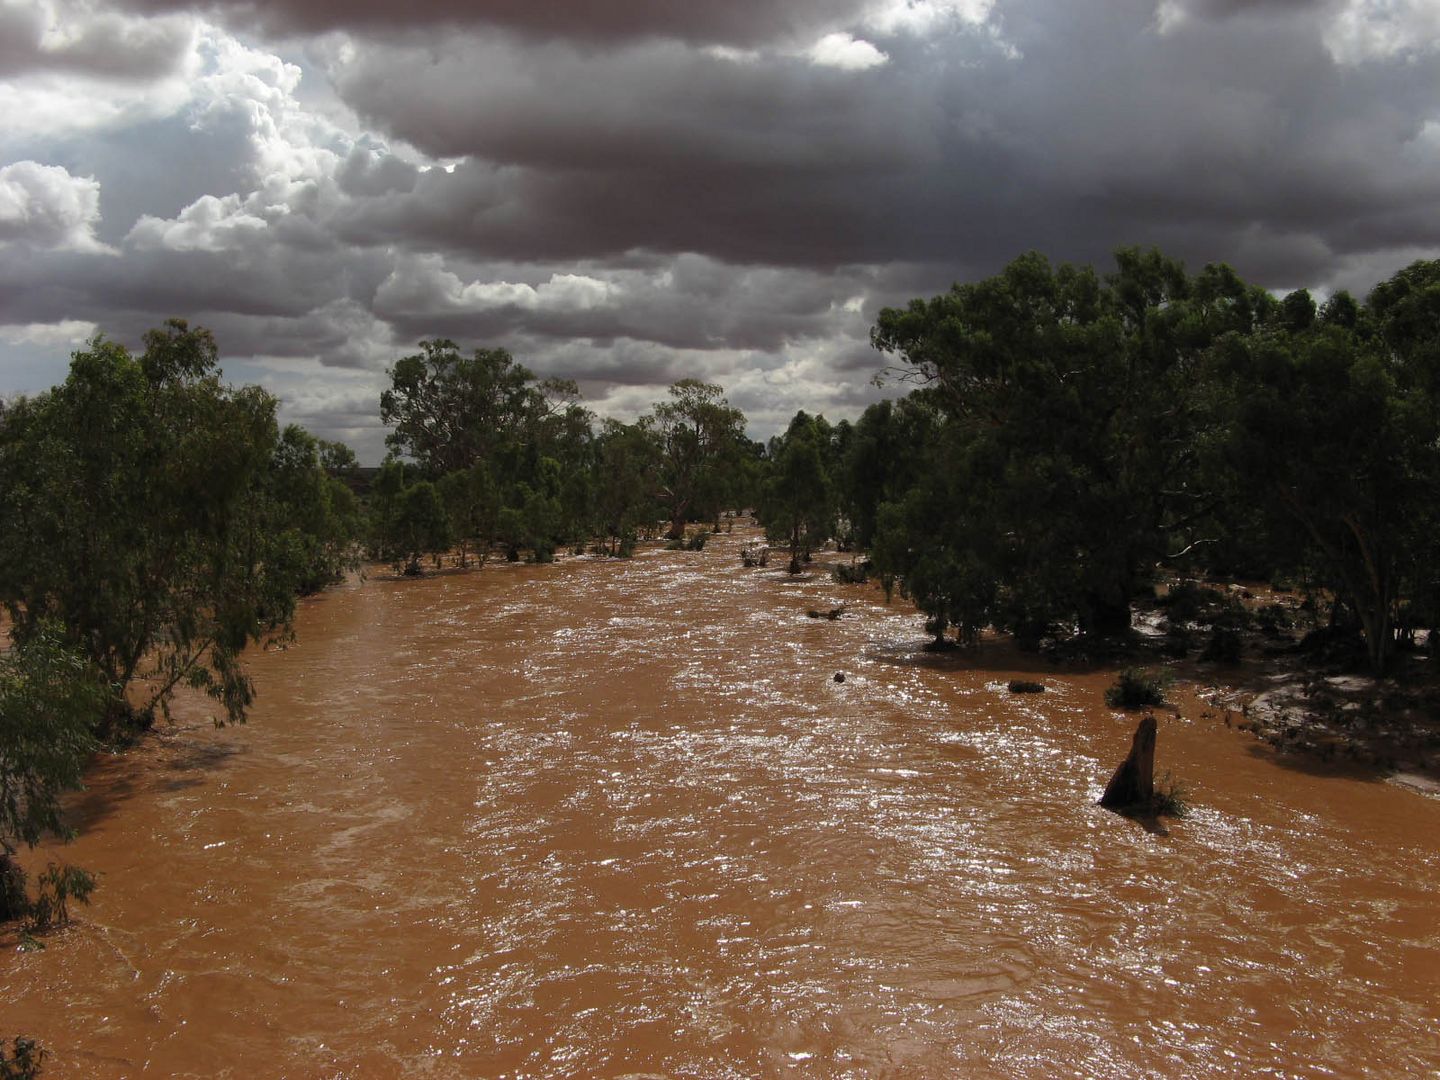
(1172,799)
(1189,602)
(55,889)
(1137,689)
(1224,647)
(23,1062)
(1274,619)
(1178,642)
(854,573)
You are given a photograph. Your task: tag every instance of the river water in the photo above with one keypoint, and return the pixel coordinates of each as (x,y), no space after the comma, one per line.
(606,818)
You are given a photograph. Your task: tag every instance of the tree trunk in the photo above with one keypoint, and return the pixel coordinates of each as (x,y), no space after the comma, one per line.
(1133,784)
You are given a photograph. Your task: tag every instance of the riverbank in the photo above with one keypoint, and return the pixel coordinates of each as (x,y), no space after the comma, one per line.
(1297,687)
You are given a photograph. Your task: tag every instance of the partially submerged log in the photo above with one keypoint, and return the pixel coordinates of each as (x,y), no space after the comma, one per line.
(1133,785)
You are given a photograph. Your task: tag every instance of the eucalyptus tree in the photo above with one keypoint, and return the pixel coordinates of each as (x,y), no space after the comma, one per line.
(1333,429)
(49,700)
(139,519)
(699,437)
(1074,412)
(797,505)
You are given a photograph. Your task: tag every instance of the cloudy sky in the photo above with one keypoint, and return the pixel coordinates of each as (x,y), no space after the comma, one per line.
(628,192)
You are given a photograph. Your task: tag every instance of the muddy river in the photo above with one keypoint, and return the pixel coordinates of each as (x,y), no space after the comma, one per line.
(602,818)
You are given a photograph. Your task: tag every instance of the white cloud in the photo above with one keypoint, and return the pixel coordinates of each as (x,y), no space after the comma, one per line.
(43,206)
(207,224)
(70,68)
(50,335)
(1368,30)
(840,50)
(925,16)
(422,284)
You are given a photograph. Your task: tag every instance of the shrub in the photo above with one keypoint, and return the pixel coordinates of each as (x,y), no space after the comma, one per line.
(854,573)
(1178,642)
(1137,689)
(1172,799)
(1224,647)
(55,889)
(1274,619)
(21,1063)
(1189,602)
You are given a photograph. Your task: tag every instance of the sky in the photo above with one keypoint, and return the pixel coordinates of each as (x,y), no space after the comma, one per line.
(630,192)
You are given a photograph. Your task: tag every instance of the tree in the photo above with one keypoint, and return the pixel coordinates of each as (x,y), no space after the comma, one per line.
(450,411)
(1332,429)
(420,526)
(798,505)
(315,517)
(698,435)
(50,702)
(626,459)
(139,521)
(472,502)
(1072,404)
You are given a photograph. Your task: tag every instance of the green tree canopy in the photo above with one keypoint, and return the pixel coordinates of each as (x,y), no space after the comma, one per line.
(698,435)
(140,519)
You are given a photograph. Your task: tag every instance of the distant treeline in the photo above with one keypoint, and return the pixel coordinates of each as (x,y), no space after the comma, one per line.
(1067,436)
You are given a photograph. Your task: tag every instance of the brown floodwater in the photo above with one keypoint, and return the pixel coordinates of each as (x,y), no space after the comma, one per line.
(606,818)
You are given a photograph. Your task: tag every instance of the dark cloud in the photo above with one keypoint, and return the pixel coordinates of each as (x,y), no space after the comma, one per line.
(1219,9)
(736,22)
(101,44)
(602,190)
(1097,130)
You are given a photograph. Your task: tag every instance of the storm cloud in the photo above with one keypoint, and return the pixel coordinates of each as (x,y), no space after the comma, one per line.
(631,192)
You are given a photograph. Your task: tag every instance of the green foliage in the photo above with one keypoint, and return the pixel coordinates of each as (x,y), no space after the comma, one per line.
(698,438)
(627,463)
(472,503)
(1171,799)
(1084,430)
(797,504)
(421,526)
(1331,426)
(50,703)
(14,901)
(1138,689)
(22,1061)
(314,519)
(1224,646)
(141,518)
(1274,619)
(450,411)
(55,888)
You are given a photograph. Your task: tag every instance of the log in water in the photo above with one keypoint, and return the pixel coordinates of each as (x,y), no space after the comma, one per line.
(600,818)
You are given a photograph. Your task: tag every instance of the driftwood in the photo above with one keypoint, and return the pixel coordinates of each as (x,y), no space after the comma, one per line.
(1133,785)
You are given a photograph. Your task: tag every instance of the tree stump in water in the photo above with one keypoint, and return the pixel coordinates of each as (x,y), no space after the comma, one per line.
(1133,785)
